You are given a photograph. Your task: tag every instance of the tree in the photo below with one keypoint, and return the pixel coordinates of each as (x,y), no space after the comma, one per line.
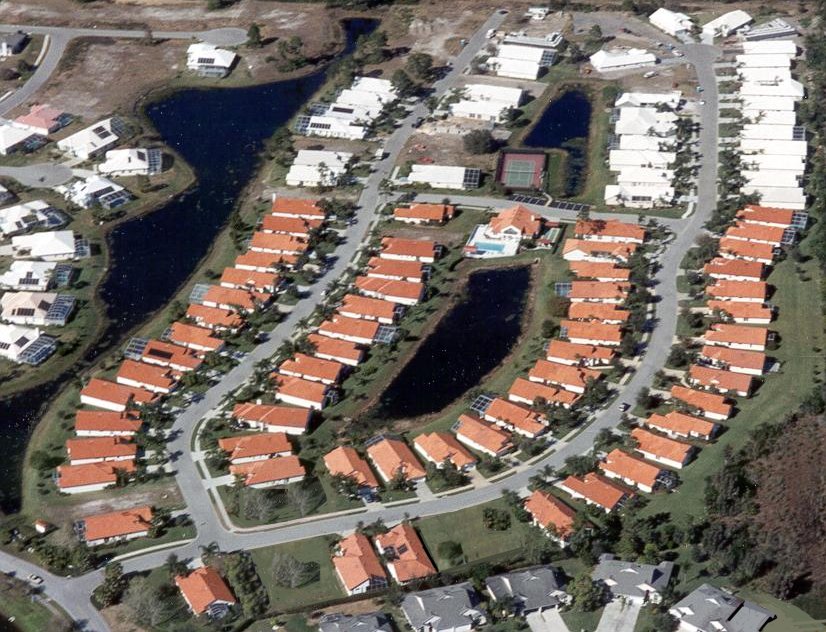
(595,33)
(580,465)
(420,65)
(402,82)
(451,551)
(150,605)
(113,586)
(479,141)
(304,497)
(254,36)
(496,519)
(587,595)
(175,566)
(289,572)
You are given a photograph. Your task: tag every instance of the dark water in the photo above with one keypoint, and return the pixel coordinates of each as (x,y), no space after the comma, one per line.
(5,626)
(565,124)
(472,339)
(220,134)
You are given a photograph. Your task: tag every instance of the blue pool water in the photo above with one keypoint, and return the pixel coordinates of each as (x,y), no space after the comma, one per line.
(484,245)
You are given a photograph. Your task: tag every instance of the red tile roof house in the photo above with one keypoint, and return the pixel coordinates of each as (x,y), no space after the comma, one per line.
(766,215)
(596,252)
(108,395)
(355,306)
(574,354)
(43,119)
(296,226)
(735,360)
(661,449)
(404,554)
(338,350)
(397,270)
(173,356)
(606,313)
(677,424)
(402,292)
(734,269)
(746,250)
(591,333)
(737,337)
(287,419)
(100,449)
(441,447)
(215,318)
(598,292)
(392,457)
(355,330)
(631,470)
(482,436)
(146,376)
(604,271)
(257,447)
(116,526)
(515,223)
(551,515)
(278,244)
(595,490)
(301,392)
(312,369)
(206,592)
(231,299)
(346,461)
(277,472)
(91,477)
(264,261)
(524,391)
(424,213)
(250,280)
(739,291)
(296,207)
(358,566)
(422,250)
(99,423)
(196,338)
(709,405)
(720,380)
(756,233)
(609,230)
(742,313)
(571,378)
(516,418)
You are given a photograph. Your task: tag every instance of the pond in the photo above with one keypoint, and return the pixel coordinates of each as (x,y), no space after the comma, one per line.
(471,340)
(565,124)
(220,133)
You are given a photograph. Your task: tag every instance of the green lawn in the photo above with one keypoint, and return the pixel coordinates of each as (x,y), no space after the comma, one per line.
(578,621)
(323,588)
(29,616)
(789,616)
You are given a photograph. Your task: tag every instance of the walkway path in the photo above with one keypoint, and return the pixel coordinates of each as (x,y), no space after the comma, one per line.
(619,616)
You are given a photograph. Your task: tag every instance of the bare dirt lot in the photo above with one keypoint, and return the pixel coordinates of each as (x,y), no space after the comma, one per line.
(443,149)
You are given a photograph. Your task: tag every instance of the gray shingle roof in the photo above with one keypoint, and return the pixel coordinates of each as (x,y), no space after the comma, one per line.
(532,588)
(444,608)
(626,579)
(707,608)
(370,622)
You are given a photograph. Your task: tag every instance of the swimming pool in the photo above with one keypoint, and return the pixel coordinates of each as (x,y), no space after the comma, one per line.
(488,246)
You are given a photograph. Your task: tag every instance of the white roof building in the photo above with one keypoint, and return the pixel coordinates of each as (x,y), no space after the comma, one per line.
(350,115)
(26,308)
(768,103)
(671,22)
(773,162)
(514,68)
(95,190)
(15,341)
(208,60)
(768,132)
(619,59)
(787,88)
(765,75)
(620,158)
(381,87)
(768,60)
(14,138)
(780,148)
(23,217)
(56,245)
(777,27)
(771,117)
(27,275)
(779,197)
(93,139)
(444,176)
(638,196)
(645,176)
(726,24)
(774,47)
(313,168)
(639,99)
(781,178)
(486,103)
(132,162)
(643,142)
(521,61)
(645,121)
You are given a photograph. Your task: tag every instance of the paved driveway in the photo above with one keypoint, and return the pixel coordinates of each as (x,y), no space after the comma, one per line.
(619,616)
(548,621)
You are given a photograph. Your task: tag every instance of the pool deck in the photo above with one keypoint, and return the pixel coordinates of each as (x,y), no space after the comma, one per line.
(480,246)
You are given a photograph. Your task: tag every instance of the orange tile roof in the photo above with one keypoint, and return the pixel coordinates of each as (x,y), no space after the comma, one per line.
(551,513)
(661,447)
(573,351)
(597,311)
(214,316)
(631,468)
(185,335)
(390,287)
(756,232)
(265,261)
(249,446)
(203,587)
(720,379)
(425,212)
(741,309)
(707,402)
(232,297)
(528,224)
(766,215)
(737,334)
(590,330)
(297,206)
(734,267)
(747,249)
(608,228)
(373,308)
(484,434)
(159,351)
(391,456)
(345,461)
(599,270)
(40,116)
(308,366)
(301,388)
(621,251)
(395,268)
(336,348)
(735,357)
(253,279)
(278,243)
(100,448)
(738,289)
(106,420)
(443,446)
(525,389)
(419,248)
(410,560)
(286,416)
(597,489)
(682,424)
(517,416)
(69,476)
(352,327)
(118,523)
(562,374)
(289,225)
(280,468)
(157,376)
(598,290)
(116,393)
(356,561)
